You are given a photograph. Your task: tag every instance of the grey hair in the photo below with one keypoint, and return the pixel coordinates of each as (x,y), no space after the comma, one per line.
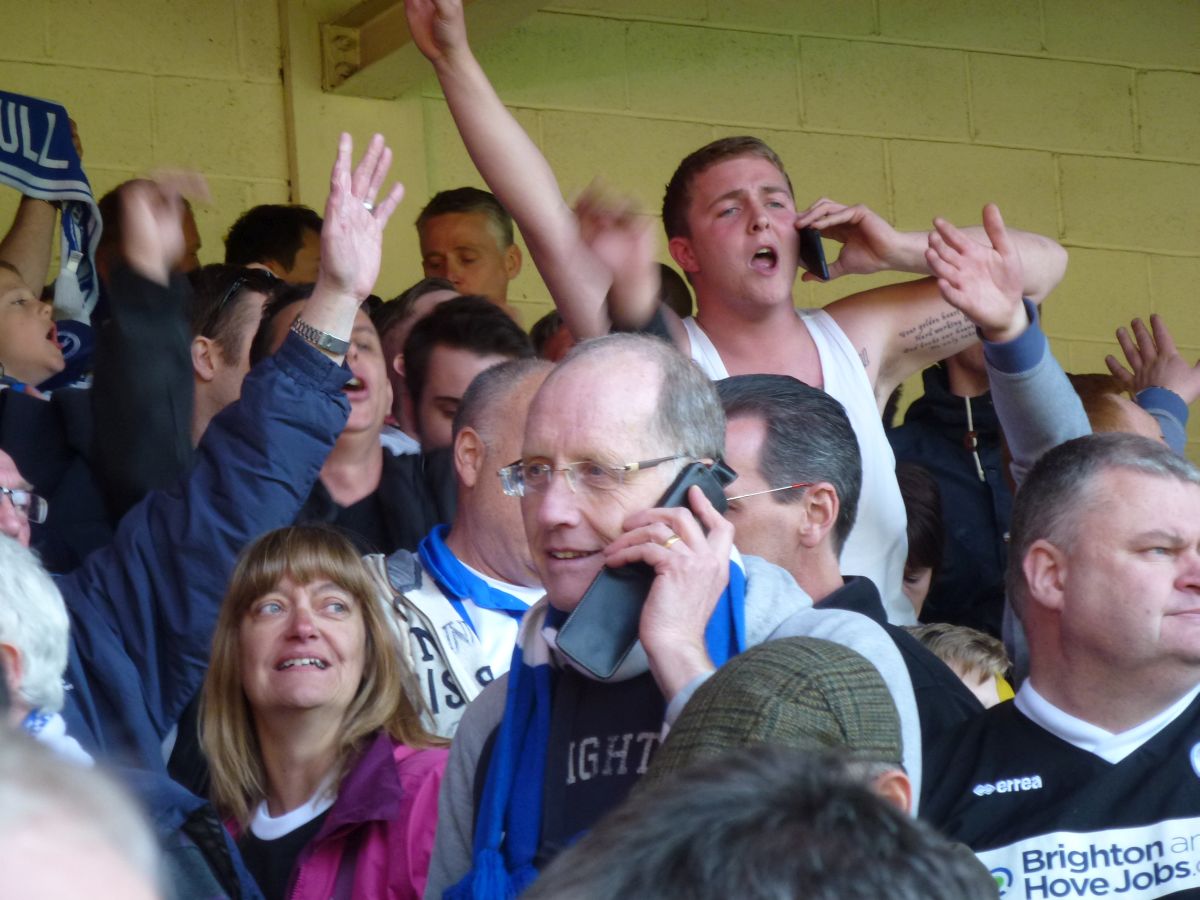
(808,438)
(33,618)
(689,418)
(1059,489)
(486,396)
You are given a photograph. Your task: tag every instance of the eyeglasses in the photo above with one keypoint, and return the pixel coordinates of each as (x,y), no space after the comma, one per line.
(520,478)
(786,487)
(29,504)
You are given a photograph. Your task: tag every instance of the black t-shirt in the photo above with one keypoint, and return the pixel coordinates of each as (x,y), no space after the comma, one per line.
(271,862)
(602,738)
(1052,820)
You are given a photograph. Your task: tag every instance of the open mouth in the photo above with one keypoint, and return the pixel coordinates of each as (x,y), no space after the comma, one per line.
(52,335)
(311,661)
(570,554)
(764,260)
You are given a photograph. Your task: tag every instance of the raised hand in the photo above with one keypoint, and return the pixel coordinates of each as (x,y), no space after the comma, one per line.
(152,239)
(983,282)
(869,243)
(624,243)
(438,27)
(1154,361)
(352,236)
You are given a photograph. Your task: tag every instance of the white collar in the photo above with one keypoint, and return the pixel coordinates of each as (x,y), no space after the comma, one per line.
(1083,734)
(266,827)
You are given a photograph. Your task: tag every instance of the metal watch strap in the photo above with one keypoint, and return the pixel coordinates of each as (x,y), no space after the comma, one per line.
(318,338)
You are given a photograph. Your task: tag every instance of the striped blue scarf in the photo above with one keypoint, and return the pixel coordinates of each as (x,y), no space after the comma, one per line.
(508,827)
(39,160)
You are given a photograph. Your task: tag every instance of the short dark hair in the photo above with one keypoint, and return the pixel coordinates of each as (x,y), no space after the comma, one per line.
(285,295)
(923,504)
(544,329)
(387,315)
(1058,490)
(471,323)
(673,291)
(270,232)
(215,302)
(679,189)
(763,822)
(808,438)
(470,200)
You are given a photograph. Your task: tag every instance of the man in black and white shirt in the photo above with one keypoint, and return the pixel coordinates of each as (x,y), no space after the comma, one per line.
(1088,785)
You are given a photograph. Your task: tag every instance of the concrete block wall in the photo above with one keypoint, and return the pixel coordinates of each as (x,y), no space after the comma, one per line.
(1081,118)
(154,83)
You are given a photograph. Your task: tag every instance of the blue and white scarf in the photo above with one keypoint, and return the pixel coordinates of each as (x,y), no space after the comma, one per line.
(508,827)
(459,583)
(39,160)
(51,729)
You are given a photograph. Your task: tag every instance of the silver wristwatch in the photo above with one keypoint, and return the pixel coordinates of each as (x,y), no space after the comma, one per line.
(318,338)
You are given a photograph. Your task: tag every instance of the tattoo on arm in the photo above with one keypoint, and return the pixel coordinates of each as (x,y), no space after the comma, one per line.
(862,354)
(937,332)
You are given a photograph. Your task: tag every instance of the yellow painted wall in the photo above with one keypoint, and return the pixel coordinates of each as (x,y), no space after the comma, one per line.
(1081,118)
(153,83)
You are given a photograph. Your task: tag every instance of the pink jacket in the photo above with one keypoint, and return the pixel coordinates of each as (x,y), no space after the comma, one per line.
(377,839)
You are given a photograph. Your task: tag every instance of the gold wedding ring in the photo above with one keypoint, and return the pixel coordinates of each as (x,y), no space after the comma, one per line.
(671,540)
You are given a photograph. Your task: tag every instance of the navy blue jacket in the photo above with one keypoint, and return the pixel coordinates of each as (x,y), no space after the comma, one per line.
(143,609)
(969,587)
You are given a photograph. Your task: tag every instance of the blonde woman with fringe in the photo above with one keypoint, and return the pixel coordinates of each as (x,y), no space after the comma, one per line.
(319,761)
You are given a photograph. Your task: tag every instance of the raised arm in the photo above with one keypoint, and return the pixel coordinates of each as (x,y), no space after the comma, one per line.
(143,610)
(143,392)
(29,241)
(901,329)
(1162,381)
(513,168)
(1037,407)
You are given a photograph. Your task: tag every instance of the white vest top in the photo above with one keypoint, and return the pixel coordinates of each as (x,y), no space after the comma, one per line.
(878,543)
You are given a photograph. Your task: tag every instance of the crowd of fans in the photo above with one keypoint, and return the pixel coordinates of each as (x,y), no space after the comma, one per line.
(295,603)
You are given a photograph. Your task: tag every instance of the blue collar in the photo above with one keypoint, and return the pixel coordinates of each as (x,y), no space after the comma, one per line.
(459,583)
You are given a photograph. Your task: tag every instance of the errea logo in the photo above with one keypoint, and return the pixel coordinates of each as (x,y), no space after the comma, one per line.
(1008,786)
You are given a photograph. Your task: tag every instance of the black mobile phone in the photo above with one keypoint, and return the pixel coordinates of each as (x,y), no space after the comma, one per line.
(812,254)
(602,629)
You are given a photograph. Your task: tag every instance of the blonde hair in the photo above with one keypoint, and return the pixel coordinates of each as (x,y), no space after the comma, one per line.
(227,731)
(972,651)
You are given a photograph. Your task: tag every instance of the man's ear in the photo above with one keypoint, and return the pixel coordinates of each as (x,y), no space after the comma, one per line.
(512,261)
(391,395)
(12,670)
(1045,570)
(681,251)
(894,787)
(821,507)
(204,352)
(469,453)
(270,265)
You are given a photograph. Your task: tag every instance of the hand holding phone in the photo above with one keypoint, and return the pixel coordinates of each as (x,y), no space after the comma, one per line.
(603,628)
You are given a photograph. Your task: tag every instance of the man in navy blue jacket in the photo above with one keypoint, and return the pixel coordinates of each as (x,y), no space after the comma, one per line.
(142,610)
